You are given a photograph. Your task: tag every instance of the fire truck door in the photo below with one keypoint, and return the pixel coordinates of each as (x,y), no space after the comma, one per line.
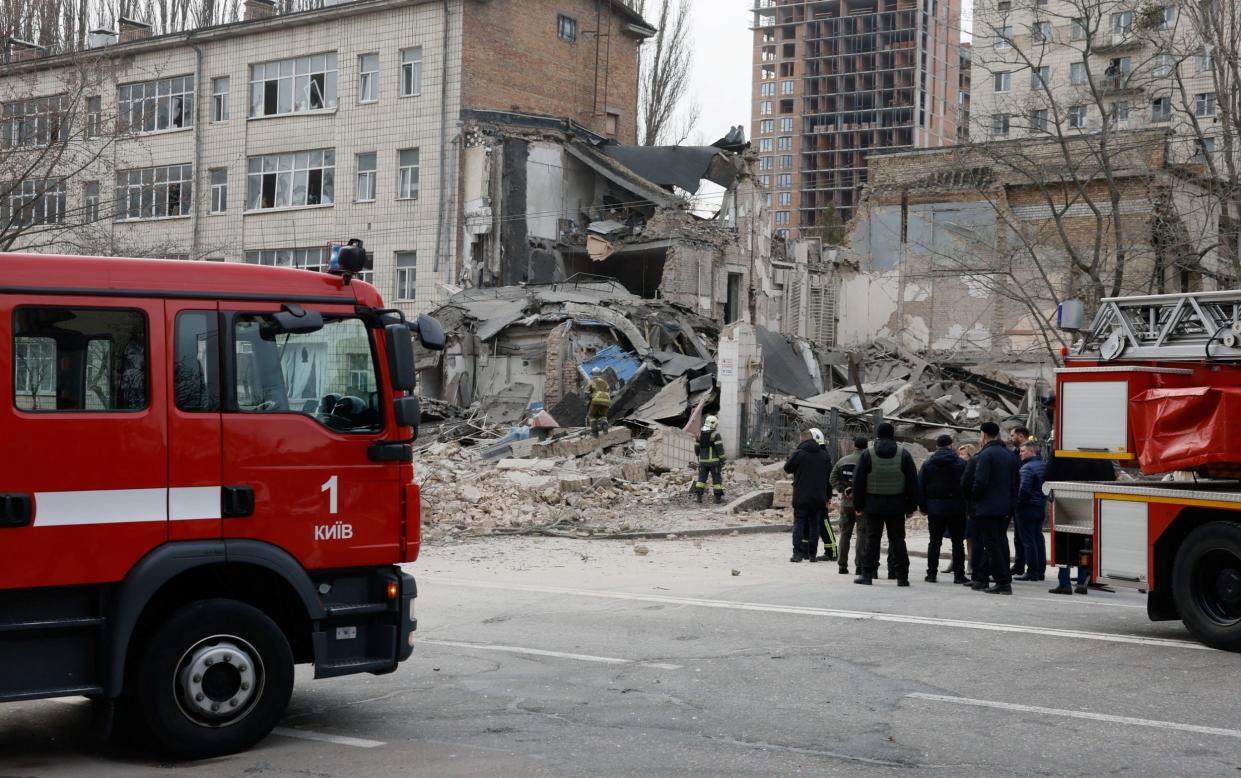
(194,446)
(85,432)
(302,408)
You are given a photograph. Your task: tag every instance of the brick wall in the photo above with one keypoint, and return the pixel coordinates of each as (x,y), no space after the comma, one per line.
(515,61)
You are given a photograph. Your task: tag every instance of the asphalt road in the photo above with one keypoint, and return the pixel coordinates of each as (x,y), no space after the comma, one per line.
(557,657)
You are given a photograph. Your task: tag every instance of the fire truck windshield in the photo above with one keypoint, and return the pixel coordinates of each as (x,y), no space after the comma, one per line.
(328,374)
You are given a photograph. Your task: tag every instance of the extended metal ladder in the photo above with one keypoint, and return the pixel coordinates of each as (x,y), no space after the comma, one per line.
(1193,326)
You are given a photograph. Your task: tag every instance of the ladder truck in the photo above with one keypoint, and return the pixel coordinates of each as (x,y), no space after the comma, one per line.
(1155,382)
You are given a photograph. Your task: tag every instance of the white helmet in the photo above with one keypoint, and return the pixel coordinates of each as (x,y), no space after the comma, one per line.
(710,423)
(596,371)
(817,434)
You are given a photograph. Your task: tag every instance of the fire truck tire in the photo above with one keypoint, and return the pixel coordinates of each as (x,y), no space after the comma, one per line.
(213,680)
(1206,584)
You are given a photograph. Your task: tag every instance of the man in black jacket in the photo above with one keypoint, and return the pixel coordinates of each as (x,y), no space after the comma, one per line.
(994,496)
(811,467)
(885,489)
(942,500)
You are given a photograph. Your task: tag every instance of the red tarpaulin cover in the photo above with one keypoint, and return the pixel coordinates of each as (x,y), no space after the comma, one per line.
(1186,429)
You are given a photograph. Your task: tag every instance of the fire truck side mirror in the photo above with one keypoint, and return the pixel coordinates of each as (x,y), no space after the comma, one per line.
(401,357)
(408,412)
(430,332)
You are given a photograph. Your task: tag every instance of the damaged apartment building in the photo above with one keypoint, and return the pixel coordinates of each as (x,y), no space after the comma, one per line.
(544,200)
(966,252)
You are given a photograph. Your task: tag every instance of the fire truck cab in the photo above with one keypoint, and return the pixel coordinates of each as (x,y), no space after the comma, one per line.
(207,478)
(1155,383)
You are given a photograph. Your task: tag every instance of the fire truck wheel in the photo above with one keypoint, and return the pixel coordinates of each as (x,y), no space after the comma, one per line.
(1206,582)
(214,679)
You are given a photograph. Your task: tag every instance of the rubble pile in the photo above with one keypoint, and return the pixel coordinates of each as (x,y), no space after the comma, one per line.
(579,486)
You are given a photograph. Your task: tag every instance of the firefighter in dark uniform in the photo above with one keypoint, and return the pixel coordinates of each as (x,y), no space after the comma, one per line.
(842,483)
(710,450)
(599,393)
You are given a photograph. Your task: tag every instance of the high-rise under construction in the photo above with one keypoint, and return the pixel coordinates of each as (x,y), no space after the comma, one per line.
(836,80)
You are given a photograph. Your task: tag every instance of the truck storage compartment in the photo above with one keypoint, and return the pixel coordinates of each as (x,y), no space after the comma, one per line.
(1188,429)
(1093,417)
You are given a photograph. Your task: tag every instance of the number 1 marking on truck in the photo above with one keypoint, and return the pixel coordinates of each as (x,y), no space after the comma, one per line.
(329,486)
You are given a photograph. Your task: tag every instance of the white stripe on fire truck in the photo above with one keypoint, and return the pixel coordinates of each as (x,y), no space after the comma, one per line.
(126,506)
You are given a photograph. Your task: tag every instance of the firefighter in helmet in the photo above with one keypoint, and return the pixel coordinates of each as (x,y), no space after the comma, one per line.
(599,395)
(710,450)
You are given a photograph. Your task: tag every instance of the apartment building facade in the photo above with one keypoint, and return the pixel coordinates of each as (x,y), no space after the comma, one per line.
(273,139)
(836,80)
(1047,68)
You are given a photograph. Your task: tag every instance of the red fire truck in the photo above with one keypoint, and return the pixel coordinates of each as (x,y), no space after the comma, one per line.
(207,478)
(1155,382)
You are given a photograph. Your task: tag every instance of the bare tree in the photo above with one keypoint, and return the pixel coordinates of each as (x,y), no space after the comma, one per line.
(663,84)
(55,173)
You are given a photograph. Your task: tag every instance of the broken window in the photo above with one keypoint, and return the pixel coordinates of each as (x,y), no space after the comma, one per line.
(1077,117)
(1038,120)
(1161,109)
(154,192)
(293,85)
(1077,31)
(157,106)
(291,180)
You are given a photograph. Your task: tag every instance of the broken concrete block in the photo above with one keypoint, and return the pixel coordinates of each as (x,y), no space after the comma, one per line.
(782,496)
(759,500)
(522,449)
(537,465)
(471,494)
(565,448)
(574,483)
(772,473)
(632,472)
(670,449)
(529,481)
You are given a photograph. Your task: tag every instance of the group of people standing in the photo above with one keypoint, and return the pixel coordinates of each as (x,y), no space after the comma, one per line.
(970,498)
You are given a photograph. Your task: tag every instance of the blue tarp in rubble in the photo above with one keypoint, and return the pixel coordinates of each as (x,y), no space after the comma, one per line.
(623,363)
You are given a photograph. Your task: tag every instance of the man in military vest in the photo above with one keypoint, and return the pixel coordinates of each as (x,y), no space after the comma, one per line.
(885,491)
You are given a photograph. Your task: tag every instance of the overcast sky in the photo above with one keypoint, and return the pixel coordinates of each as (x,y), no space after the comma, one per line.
(722,55)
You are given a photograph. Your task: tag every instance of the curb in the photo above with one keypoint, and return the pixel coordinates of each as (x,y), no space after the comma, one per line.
(745,529)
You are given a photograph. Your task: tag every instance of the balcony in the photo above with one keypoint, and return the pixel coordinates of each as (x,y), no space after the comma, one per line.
(1119,41)
(1112,86)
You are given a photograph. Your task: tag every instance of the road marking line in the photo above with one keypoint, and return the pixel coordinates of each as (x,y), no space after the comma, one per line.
(1078,714)
(340,740)
(1077,600)
(610,660)
(897,618)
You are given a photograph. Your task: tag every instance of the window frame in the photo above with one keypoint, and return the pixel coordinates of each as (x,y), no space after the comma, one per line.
(146,362)
(149,106)
(372,175)
(566,28)
(401,281)
(185,171)
(1002,81)
(293,172)
(1206,105)
(414,65)
(258,86)
(368,80)
(220,99)
(401,192)
(219,191)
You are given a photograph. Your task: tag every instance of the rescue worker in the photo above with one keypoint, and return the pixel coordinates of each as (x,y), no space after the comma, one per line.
(994,496)
(710,451)
(841,482)
(940,497)
(599,394)
(885,491)
(811,467)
